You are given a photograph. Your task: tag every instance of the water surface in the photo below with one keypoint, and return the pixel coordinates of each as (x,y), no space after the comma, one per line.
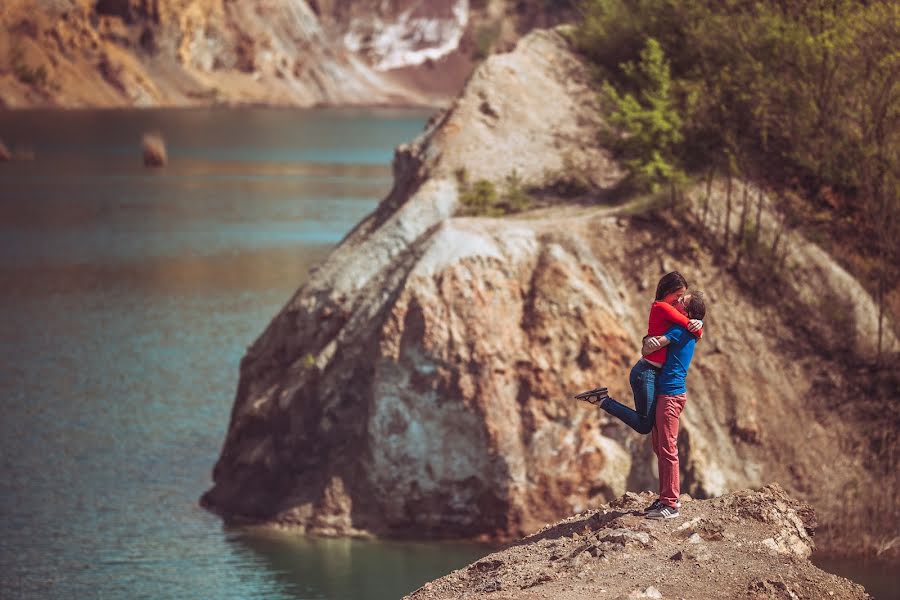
(129,296)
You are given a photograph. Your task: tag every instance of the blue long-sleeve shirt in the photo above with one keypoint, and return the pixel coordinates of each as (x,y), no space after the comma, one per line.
(672,376)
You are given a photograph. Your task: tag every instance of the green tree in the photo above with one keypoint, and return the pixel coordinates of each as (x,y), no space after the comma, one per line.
(873,110)
(649,119)
(802,97)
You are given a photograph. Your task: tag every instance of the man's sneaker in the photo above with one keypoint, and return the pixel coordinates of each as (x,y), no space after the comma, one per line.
(663,512)
(658,504)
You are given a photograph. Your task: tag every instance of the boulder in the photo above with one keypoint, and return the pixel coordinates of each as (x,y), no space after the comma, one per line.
(428,364)
(153,148)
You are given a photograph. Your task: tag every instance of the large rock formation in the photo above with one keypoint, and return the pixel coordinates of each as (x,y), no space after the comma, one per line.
(749,544)
(419,384)
(403,414)
(199,52)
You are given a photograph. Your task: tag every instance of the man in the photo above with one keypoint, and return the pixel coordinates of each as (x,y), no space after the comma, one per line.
(671,395)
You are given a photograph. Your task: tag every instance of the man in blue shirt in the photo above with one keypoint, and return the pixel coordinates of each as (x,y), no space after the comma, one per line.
(671,395)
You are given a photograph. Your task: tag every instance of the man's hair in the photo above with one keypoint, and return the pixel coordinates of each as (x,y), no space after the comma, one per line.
(696,305)
(669,283)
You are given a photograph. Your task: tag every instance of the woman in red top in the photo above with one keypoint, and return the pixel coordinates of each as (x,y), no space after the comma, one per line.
(664,313)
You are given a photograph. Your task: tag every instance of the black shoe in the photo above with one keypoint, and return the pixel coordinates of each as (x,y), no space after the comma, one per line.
(657,504)
(595,396)
(663,512)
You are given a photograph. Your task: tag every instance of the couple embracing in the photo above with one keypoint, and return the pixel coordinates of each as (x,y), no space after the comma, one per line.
(658,382)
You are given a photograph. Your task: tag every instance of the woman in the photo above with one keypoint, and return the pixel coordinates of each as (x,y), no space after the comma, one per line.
(665,312)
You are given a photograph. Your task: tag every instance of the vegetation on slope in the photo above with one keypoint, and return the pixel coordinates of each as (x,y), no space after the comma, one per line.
(801,97)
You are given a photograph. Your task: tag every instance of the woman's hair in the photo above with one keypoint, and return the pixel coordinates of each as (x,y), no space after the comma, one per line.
(669,283)
(696,305)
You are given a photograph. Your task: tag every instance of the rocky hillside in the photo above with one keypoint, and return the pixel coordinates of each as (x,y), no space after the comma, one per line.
(419,383)
(741,545)
(115,53)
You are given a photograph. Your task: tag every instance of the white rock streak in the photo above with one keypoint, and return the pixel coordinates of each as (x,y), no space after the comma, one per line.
(410,40)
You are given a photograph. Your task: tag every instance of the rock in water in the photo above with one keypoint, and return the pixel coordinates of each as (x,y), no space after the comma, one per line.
(154,148)
(5,154)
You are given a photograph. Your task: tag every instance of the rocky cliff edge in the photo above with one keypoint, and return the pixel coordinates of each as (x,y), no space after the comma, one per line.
(747,544)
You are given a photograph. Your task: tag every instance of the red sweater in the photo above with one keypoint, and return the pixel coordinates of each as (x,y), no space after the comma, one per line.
(662,317)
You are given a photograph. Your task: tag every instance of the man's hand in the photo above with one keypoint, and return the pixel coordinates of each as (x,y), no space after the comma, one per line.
(652,344)
(694,325)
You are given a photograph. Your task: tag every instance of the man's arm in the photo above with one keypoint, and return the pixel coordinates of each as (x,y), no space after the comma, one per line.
(653,343)
(673,336)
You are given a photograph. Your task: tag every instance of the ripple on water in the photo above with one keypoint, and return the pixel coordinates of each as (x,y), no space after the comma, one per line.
(129,298)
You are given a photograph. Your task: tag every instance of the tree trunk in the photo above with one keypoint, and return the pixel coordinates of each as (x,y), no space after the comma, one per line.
(727,217)
(709,179)
(742,229)
(775,242)
(758,232)
(881,286)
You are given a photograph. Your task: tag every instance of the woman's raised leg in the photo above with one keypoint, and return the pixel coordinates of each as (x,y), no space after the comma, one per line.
(643,384)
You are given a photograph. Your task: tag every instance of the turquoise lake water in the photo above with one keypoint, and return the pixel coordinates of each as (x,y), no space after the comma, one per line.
(128,298)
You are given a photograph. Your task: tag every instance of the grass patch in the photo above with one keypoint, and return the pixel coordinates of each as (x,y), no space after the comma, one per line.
(645,204)
(571,181)
(485,38)
(31,75)
(482,197)
(36,76)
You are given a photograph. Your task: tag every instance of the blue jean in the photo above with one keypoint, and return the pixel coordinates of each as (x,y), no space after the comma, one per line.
(643,385)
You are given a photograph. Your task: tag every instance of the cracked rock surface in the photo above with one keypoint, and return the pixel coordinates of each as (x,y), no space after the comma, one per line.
(715,549)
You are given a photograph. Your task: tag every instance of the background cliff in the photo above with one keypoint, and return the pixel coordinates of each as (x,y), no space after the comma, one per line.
(117,53)
(419,384)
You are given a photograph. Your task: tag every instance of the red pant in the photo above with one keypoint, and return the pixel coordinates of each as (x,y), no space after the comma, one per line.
(665,445)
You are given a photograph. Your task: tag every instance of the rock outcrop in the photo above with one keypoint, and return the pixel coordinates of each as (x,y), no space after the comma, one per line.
(153,148)
(113,53)
(748,544)
(419,383)
(405,416)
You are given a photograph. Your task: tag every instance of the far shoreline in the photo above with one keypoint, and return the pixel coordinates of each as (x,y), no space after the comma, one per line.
(410,106)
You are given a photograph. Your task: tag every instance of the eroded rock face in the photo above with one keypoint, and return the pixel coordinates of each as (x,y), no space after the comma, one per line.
(201,52)
(718,548)
(184,52)
(454,406)
(379,372)
(419,383)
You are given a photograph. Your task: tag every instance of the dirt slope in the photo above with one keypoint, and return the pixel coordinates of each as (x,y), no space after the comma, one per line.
(748,544)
